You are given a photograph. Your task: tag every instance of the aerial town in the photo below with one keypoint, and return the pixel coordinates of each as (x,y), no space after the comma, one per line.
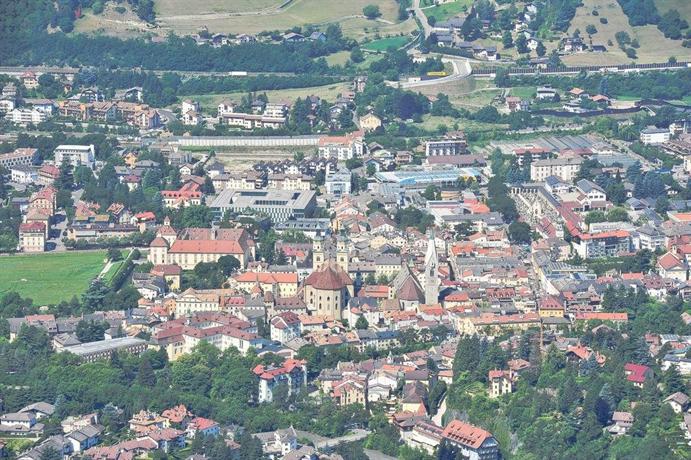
(395,229)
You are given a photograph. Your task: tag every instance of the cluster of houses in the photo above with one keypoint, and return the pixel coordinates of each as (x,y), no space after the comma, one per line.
(216,40)
(88,105)
(263,114)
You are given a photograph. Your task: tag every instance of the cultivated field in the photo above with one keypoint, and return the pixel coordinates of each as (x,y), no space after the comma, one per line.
(654,46)
(50,278)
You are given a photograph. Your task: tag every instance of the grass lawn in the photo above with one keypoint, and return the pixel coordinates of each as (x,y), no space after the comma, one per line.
(524,92)
(339,58)
(51,277)
(448,10)
(113,270)
(468,93)
(386,43)
(431,123)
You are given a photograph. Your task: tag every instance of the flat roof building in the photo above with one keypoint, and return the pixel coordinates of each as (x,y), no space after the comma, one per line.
(277,205)
(103,349)
(421,178)
(21,156)
(76,155)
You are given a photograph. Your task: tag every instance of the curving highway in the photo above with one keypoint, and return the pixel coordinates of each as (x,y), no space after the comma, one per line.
(461,70)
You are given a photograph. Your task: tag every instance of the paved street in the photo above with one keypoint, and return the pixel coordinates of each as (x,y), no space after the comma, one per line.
(461,69)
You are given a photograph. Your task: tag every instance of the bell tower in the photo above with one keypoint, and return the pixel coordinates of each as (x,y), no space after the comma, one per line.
(317,252)
(342,253)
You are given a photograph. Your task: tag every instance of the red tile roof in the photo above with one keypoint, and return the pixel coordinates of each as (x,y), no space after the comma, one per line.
(266,277)
(269,373)
(32,227)
(466,434)
(636,373)
(166,270)
(603,316)
(330,278)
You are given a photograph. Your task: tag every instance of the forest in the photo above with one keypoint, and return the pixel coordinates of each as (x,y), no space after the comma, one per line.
(174,54)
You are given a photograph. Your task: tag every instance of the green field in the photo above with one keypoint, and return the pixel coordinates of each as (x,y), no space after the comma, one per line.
(524,92)
(113,270)
(385,43)
(51,277)
(448,10)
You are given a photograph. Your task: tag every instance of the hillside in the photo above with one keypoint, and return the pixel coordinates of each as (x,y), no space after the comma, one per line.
(654,46)
(251,17)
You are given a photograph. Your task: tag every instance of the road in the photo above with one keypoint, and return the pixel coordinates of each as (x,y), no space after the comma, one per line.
(427,29)
(461,69)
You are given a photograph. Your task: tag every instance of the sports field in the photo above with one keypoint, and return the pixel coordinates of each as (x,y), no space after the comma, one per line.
(52,277)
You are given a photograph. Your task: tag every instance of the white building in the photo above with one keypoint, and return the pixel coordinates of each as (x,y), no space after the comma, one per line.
(76,155)
(23,174)
(338,182)
(292,373)
(341,147)
(564,168)
(276,110)
(188,105)
(26,116)
(653,135)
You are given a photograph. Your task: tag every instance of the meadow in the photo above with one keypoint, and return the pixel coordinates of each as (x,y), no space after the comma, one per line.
(654,46)
(386,43)
(209,102)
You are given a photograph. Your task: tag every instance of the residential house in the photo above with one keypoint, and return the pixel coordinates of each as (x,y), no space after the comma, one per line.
(470,442)
(292,373)
(637,374)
